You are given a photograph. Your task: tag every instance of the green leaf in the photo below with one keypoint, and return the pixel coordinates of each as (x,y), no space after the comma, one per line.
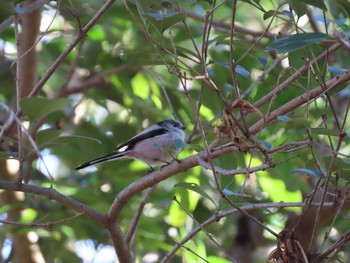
(271,13)
(322,131)
(277,189)
(316,3)
(196,147)
(196,188)
(184,52)
(255,3)
(38,107)
(47,135)
(307,171)
(73,138)
(300,57)
(216,259)
(338,163)
(28,215)
(339,8)
(299,8)
(163,21)
(294,42)
(52,136)
(345,174)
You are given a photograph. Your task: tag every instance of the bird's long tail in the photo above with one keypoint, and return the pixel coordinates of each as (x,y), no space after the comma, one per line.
(106,158)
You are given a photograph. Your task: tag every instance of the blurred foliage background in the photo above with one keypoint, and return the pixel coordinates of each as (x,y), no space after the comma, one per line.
(145,61)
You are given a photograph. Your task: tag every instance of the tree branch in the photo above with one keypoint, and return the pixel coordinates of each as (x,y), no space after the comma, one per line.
(158,176)
(216,218)
(300,100)
(51,193)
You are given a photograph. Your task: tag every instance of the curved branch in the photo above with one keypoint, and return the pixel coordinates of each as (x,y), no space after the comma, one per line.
(160,175)
(57,196)
(120,246)
(226,172)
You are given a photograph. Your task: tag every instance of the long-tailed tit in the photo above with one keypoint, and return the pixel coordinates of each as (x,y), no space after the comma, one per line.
(158,144)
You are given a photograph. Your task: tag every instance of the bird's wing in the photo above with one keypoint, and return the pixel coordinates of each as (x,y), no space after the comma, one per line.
(129,144)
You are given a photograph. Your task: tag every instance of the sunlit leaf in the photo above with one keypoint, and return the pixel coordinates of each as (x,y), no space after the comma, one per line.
(197,148)
(216,259)
(277,191)
(68,231)
(28,215)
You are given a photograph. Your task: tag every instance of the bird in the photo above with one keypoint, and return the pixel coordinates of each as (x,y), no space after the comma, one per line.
(158,144)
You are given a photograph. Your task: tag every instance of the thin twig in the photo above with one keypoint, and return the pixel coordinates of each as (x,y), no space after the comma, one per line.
(136,218)
(48,224)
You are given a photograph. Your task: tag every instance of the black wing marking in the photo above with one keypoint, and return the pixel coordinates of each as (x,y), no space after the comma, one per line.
(129,145)
(140,137)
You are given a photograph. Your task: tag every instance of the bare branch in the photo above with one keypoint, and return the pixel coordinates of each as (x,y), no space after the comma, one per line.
(216,218)
(48,224)
(51,193)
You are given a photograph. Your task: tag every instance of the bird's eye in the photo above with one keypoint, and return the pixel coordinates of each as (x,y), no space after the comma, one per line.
(176,124)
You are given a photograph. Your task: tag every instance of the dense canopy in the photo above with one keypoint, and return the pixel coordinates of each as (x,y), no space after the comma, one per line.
(262,88)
